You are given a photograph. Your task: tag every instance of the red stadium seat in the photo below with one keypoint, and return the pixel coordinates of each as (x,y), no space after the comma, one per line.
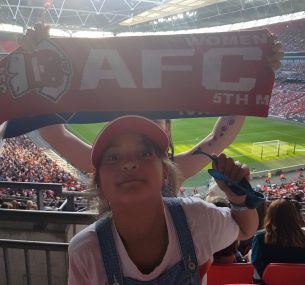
(237,273)
(284,274)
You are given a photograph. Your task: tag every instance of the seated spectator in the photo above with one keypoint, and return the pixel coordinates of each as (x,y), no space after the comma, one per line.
(218,201)
(267,180)
(7,205)
(299,196)
(30,205)
(15,204)
(226,255)
(298,206)
(214,191)
(282,239)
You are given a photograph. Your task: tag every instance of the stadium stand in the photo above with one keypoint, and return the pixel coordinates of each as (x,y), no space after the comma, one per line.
(23,161)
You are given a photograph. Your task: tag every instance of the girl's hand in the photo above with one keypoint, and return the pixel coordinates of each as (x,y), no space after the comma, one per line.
(33,37)
(277,55)
(233,170)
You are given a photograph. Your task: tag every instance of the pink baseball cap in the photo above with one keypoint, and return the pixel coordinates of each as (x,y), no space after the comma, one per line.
(128,124)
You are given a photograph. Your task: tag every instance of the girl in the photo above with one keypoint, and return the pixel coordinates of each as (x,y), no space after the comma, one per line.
(144,238)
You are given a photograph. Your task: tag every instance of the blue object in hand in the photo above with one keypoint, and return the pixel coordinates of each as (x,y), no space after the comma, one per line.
(254,198)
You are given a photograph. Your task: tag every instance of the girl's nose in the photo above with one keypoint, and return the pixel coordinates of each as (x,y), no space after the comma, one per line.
(130,164)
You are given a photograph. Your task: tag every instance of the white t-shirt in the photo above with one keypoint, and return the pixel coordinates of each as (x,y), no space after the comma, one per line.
(212,229)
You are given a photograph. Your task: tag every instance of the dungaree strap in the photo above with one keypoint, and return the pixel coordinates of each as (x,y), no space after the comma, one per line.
(109,252)
(183,233)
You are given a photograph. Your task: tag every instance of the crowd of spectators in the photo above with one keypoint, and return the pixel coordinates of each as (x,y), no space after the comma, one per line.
(288,97)
(22,161)
(288,189)
(288,104)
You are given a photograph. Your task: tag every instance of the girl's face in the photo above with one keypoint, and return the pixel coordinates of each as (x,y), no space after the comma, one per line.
(130,171)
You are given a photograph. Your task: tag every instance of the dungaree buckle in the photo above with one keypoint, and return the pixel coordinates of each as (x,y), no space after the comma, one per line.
(191,265)
(115,281)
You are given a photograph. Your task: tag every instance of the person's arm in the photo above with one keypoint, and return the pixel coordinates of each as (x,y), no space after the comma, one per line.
(222,135)
(69,146)
(247,219)
(256,256)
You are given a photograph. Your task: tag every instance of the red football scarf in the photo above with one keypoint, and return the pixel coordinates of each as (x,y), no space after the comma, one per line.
(201,74)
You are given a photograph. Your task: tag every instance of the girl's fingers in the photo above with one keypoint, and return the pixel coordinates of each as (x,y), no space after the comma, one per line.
(234,170)
(277,47)
(230,168)
(33,37)
(237,172)
(243,173)
(220,166)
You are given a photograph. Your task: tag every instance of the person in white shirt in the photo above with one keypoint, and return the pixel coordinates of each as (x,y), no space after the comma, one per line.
(144,238)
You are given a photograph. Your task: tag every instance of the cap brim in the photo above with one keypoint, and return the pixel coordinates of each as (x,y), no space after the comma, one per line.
(124,125)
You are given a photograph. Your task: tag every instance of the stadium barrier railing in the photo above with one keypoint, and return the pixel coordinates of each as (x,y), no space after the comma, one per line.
(260,174)
(25,256)
(37,261)
(27,247)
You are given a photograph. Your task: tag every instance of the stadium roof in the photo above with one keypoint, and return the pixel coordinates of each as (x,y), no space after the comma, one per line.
(118,16)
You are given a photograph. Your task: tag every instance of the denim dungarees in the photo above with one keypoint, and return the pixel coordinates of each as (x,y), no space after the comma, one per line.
(185,272)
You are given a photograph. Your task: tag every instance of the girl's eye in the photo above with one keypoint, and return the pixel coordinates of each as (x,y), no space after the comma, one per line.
(111,158)
(146,153)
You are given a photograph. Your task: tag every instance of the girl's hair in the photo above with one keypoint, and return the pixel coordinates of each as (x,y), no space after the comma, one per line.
(169,189)
(282,225)
(171,153)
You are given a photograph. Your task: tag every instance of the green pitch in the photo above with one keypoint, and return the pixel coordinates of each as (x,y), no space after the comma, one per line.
(187,132)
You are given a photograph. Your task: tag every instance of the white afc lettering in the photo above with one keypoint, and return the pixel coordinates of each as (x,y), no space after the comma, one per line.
(212,64)
(118,70)
(153,68)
